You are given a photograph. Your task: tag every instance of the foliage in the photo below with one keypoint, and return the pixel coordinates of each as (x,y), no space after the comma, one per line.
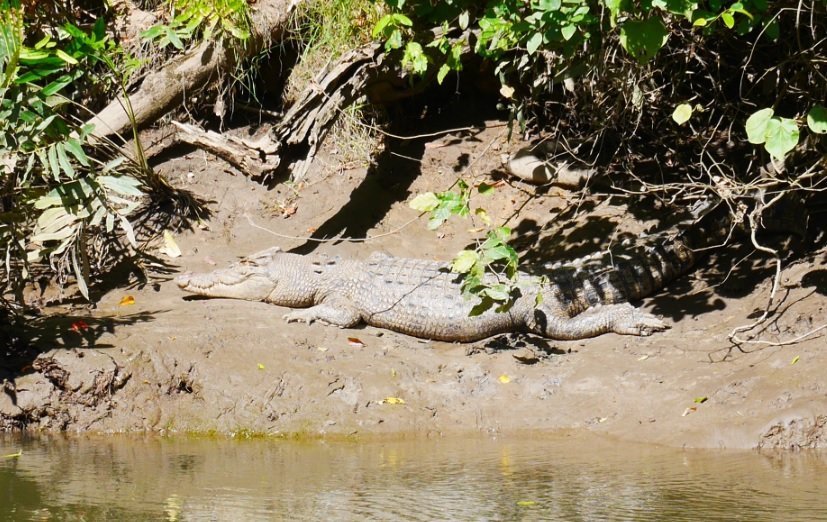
(680,92)
(57,192)
(201,20)
(493,255)
(545,41)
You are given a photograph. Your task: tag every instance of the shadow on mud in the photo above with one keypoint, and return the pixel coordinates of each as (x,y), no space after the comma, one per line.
(25,342)
(395,168)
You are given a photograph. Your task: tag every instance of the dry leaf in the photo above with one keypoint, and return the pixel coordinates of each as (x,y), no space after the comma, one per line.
(170,247)
(79,326)
(689,410)
(353,341)
(127,300)
(393,400)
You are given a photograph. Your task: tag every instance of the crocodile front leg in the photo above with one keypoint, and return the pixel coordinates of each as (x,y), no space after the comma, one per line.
(621,318)
(335,312)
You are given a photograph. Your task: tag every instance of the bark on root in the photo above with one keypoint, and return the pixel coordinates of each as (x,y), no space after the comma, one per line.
(292,143)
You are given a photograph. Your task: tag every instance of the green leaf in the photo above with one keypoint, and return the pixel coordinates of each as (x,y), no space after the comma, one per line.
(65,57)
(568,31)
(498,252)
(75,148)
(817,119)
(463,261)
(401,19)
(443,72)
(782,137)
(756,126)
(682,113)
(549,5)
(614,10)
(394,40)
(643,38)
(380,26)
(173,38)
(497,292)
(534,42)
(125,185)
(728,19)
(463,20)
(63,159)
(415,56)
(700,22)
(53,163)
(57,85)
(424,202)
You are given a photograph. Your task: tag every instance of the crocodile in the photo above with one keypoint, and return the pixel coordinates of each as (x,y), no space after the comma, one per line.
(423,298)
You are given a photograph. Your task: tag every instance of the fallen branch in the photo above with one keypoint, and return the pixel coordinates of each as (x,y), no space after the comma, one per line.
(162,90)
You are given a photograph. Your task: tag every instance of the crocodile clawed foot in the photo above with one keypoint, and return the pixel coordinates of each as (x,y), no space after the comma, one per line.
(640,323)
(299,316)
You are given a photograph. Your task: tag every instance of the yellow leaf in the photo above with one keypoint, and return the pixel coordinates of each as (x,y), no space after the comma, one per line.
(525,503)
(393,400)
(505,379)
(170,247)
(127,300)
(795,360)
(393,372)
(260,366)
(12,455)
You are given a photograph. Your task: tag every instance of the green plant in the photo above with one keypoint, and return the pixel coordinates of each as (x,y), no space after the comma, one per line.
(57,190)
(493,255)
(677,93)
(201,19)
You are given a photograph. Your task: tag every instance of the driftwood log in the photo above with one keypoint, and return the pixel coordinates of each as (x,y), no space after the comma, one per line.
(162,90)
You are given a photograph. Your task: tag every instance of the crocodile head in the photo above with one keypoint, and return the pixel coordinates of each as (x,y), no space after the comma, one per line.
(252,278)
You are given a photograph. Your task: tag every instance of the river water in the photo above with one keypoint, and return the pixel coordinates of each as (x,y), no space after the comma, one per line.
(561,477)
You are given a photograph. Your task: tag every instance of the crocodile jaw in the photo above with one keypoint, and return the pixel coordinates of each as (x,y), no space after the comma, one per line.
(251,283)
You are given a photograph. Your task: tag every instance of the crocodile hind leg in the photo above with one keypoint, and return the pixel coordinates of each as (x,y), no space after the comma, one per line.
(336,312)
(620,318)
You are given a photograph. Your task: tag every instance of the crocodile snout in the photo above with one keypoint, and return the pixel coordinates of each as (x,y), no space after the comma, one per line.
(183,280)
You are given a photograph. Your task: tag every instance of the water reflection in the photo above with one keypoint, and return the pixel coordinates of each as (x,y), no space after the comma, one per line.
(560,478)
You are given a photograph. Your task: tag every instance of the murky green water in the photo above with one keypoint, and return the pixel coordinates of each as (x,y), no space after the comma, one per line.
(559,478)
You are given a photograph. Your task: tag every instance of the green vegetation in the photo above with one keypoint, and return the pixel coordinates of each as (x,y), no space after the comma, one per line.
(681,91)
(59,194)
(201,20)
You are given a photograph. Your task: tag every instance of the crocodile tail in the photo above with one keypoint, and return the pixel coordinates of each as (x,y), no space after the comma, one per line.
(633,272)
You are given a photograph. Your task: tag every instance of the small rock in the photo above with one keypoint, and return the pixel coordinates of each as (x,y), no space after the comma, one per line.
(526,356)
